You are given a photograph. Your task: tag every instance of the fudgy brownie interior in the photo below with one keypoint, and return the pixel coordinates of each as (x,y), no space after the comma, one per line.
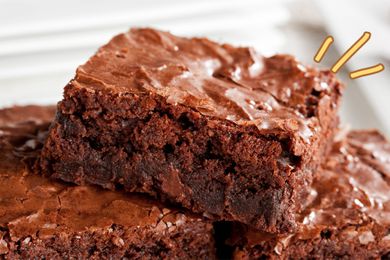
(46,219)
(347,213)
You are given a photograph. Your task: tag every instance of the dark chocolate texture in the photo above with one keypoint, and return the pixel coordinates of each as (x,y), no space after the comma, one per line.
(45,219)
(347,214)
(217,129)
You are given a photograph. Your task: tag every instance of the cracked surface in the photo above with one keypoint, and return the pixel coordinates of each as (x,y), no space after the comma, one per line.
(47,219)
(217,129)
(347,214)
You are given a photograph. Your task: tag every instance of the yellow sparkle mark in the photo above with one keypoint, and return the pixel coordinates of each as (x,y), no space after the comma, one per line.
(351,51)
(366,71)
(323,49)
(347,55)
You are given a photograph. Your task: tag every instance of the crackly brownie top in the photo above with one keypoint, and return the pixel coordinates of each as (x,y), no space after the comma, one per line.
(351,194)
(218,80)
(31,204)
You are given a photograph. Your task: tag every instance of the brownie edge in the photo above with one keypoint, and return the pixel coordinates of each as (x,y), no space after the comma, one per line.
(46,219)
(347,214)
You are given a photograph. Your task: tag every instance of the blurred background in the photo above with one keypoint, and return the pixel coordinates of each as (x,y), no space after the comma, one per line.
(42,42)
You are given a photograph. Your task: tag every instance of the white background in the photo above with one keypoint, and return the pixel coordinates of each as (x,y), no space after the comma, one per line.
(42,42)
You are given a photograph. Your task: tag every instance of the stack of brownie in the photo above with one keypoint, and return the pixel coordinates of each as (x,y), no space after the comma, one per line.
(170,147)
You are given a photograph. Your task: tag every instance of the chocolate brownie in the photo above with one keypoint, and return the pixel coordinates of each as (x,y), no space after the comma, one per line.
(217,129)
(347,215)
(44,219)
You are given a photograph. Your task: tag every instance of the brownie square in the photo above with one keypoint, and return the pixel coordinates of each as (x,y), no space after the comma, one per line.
(46,219)
(348,212)
(220,130)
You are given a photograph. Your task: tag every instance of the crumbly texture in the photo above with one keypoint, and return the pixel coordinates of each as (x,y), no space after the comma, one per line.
(217,129)
(347,215)
(47,219)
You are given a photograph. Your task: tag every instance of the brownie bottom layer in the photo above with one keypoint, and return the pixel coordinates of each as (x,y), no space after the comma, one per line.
(117,242)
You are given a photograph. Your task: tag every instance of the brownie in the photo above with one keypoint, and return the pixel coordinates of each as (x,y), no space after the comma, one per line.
(46,219)
(217,129)
(347,215)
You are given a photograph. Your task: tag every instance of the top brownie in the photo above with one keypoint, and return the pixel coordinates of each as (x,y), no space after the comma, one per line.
(218,129)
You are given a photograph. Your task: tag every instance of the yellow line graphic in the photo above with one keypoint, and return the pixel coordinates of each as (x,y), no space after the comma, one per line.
(366,71)
(347,55)
(351,51)
(323,49)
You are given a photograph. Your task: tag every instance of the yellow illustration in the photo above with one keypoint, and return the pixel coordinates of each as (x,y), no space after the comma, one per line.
(366,71)
(323,49)
(347,55)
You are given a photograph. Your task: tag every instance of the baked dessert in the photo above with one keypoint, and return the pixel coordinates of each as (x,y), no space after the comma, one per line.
(347,215)
(217,129)
(44,219)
